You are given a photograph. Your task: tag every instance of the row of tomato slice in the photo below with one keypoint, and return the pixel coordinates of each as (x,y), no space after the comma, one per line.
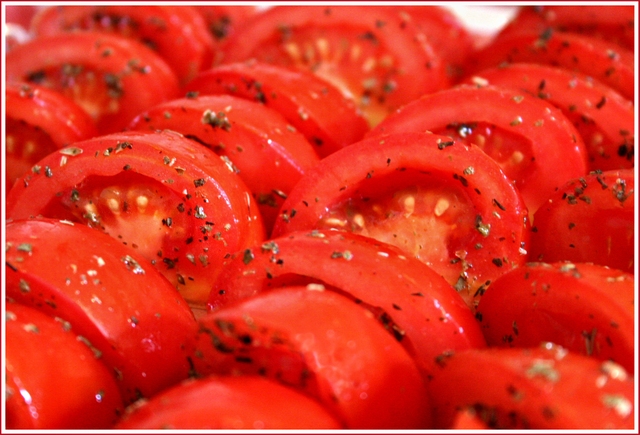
(353,217)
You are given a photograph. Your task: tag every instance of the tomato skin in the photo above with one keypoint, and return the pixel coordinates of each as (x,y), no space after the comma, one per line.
(113,78)
(128,314)
(177,33)
(604,118)
(611,23)
(46,118)
(395,161)
(315,107)
(386,63)
(583,307)
(613,66)
(269,155)
(229,402)
(324,344)
(195,209)
(54,381)
(545,387)
(544,150)
(588,220)
(419,308)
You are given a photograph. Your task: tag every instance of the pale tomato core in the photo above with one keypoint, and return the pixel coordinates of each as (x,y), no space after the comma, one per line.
(430,222)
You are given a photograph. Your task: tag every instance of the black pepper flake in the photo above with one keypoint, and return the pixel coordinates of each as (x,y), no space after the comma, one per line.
(601,103)
(248,256)
(199,182)
(443,145)
(497,262)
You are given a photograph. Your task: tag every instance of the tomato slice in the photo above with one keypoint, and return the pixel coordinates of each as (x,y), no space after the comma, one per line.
(415,304)
(323,344)
(534,144)
(611,64)
(544,387)
(376,55)
(585,308)
(448,204)
(171,199)
(130,316)
(37,122)
(270,156)
(588,220)
(315,107)
(113,78)
(604,119)
(610,23)
(54,381)
(229,402)
(179,34)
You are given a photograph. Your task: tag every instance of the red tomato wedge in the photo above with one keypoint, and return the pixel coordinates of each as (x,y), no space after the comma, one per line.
(533,142)
(588,220)
(611,23)
(583,307)
(606,62)
(229,402)
(175,202)
(604,119)
(415,304)
(446,203)
(111,77)
(267,153)
(313,106)
(323,344)
(179,34)
(545,387)
(130,316)
(53,380)
(376,55)
(38,121)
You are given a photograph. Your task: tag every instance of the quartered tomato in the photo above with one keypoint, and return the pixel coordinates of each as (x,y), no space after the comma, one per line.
(38,121)
(604,119)
(534,144)
(179,34)
(113,78)
(611,64)
(130,316)
(414,303)
(268,154)
(376,55)
(175,202)
(583,307)
(53,380)
(611,23)
(544,387)
(229,402)
(446,203)
(323,344)
(588,220)
(315,107)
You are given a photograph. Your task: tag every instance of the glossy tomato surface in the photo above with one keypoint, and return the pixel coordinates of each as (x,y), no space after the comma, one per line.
(229,402)
(604,119)
(413,302)
(323,344)
(313,106)
(585,308)
(129,315)
(376,55)
(112,77)
(39,121)
(533,142)
(175,202)
(589,219)
(446,203)
(53,379)
(267,153)
(544,387)
(179,34)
